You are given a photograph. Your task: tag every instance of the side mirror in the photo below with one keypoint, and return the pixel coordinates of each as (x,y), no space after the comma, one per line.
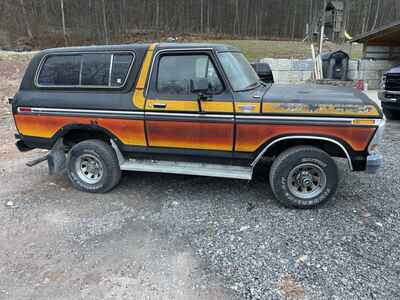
(199,86)
(263,71)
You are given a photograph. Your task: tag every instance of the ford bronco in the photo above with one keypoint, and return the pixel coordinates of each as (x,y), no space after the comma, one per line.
(194,109)
(389,93)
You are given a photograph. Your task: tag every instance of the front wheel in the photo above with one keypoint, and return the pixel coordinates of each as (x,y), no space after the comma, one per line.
(92,166)
(303,177)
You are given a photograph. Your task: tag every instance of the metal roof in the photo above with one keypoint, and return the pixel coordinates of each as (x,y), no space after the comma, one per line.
(385,35)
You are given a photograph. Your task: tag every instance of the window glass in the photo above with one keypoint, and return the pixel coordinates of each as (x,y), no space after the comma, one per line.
(238,70)
(175,73)
(120,68)
(95,69)
(60,70)
(86,70)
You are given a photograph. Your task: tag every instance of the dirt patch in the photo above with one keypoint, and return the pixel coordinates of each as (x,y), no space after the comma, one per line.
(290,288)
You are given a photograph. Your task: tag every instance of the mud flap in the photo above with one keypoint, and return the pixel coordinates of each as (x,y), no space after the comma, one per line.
(56,161)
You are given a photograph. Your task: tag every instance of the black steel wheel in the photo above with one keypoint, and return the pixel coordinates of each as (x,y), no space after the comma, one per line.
(303,177)
(92,166)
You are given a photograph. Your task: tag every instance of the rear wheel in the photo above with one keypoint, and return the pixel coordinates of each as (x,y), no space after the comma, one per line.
(92,166)
(303,177)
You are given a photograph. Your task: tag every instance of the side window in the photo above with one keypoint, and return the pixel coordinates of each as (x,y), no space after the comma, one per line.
(176,71)
(86,70)
(95,69)
(120,68)
(60,70)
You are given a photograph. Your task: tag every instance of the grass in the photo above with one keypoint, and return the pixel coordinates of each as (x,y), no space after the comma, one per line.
(256,49)
(253,49)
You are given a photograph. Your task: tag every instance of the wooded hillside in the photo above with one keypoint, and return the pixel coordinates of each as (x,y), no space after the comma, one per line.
(43,22)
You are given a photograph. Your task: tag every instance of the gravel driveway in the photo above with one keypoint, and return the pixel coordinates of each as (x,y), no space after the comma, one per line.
(181,237)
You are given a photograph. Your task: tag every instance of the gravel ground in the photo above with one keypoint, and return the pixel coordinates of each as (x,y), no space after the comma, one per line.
(181,237)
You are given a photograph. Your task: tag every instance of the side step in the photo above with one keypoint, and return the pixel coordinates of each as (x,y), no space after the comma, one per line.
(187,168)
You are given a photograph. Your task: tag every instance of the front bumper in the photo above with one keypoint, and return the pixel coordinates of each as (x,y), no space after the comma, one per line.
(374,163)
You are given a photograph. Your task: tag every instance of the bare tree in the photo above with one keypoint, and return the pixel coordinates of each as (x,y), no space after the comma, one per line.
(63,21)
(105,23)
(25,16)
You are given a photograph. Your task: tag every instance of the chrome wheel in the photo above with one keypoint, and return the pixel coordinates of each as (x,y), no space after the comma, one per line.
(306,181)
(89,168)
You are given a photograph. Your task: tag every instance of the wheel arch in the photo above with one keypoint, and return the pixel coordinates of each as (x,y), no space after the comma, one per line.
(75,133)
(293,140)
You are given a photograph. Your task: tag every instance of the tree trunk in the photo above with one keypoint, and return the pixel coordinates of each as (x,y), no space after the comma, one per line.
(25,16)
(105,23)
(63,22)
(376,15)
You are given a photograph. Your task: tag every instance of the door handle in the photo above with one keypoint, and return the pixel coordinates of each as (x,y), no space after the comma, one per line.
(159,105)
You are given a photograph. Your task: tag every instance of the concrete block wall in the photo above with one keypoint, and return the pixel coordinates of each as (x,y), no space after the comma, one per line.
(300,70)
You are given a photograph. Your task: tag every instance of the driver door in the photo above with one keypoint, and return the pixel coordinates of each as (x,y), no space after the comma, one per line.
(176,117)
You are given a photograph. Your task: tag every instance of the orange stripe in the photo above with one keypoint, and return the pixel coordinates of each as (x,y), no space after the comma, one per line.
(250,137)
(190,135)
(130,132)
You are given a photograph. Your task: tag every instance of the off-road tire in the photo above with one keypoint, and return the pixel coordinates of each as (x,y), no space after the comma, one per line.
(296,157)
(103,152)
(390,114)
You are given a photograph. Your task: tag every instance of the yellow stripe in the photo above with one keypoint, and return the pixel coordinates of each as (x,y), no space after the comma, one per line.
(217,106)
(172,105)
(190,106)
(321,109)
(138,96)
(247,107)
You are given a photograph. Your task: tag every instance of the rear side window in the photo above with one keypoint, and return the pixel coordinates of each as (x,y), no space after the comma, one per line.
(120,67)
(61,70)
(86,70)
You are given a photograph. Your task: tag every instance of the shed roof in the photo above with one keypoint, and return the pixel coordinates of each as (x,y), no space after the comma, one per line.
(387,35)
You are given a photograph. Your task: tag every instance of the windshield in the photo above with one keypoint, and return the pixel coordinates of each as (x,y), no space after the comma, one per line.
(240,73)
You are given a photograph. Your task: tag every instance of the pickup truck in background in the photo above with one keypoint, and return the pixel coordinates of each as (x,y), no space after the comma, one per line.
(194,109)
(389,93)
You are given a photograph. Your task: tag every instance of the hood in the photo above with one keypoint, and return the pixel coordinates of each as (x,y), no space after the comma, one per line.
(312,99)
(395,69)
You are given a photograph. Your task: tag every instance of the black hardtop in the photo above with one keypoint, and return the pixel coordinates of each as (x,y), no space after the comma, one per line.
(97,48)
(215,47)
(140,47)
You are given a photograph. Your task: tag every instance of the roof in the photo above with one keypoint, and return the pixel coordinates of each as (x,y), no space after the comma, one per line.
(128,47)
(385,35)
(335,5)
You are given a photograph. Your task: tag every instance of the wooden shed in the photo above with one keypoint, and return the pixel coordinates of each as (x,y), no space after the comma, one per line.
(382,43)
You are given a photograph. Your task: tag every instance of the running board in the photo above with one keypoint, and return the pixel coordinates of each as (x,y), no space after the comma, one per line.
(187,168)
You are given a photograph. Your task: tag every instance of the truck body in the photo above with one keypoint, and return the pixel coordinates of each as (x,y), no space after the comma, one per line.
(197,109)
(389,93)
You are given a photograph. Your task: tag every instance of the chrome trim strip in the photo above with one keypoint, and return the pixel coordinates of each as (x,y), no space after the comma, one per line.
(43,110)
(340,120)
(110,69)
(40,110)
(259,156)
(68,53)
(189,115)
(391,92)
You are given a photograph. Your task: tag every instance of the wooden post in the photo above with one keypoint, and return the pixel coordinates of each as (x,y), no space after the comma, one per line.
(321,41)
